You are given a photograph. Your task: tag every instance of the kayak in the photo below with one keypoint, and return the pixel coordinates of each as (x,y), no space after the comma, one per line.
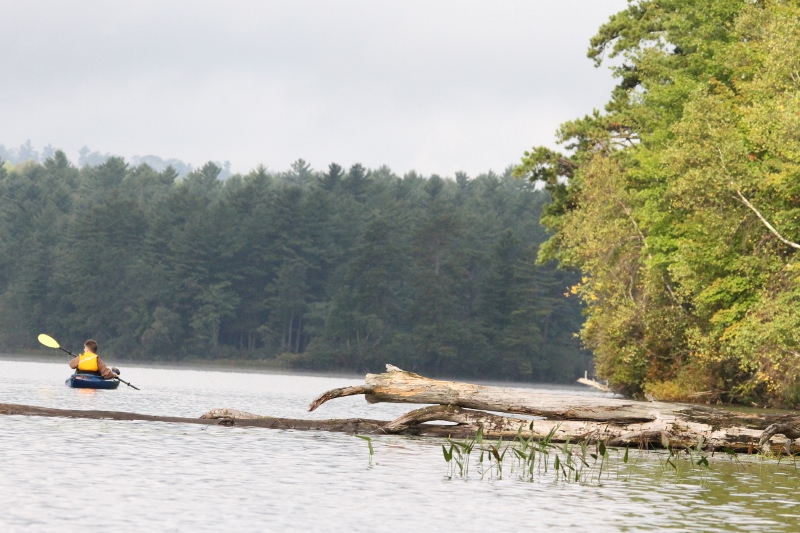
(90,381)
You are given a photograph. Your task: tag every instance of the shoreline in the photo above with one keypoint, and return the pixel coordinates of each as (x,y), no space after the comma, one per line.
(264,367)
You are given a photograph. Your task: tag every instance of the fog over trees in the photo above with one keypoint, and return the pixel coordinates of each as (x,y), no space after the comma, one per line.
(88,157)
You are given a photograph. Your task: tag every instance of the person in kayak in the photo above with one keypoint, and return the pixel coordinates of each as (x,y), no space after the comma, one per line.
(89,363)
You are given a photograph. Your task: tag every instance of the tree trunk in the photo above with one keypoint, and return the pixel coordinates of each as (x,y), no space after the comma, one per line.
(299,332)
(288,342)
(215,333)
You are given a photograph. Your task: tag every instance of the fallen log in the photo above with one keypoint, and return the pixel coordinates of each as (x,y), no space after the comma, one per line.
(399,386)
(592,383)
(223,417)
(233,417)
(620,422)
(417,423)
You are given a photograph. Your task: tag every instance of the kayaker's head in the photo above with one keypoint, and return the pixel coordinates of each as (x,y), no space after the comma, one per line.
(90,346)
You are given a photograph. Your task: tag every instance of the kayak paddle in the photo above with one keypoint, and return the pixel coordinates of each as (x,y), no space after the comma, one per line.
(50,342)
(128,384)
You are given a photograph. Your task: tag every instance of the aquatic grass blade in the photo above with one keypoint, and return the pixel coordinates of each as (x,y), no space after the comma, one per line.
(457,444)
(369,443)
(448,455)
(494,452)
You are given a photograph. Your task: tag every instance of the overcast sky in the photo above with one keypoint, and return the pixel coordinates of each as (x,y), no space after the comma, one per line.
(436,86)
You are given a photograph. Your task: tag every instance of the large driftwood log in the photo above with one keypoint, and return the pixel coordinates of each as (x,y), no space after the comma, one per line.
(400,386)
(618,421)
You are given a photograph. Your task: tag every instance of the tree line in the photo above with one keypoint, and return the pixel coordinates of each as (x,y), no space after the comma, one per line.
(342,269)
(681,202)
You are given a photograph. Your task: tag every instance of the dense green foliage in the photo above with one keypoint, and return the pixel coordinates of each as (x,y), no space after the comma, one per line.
(343,270)
(689,293)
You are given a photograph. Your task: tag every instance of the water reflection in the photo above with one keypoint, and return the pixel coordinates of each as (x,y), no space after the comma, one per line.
(144,475)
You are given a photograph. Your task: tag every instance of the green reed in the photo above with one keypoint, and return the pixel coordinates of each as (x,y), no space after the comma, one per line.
(369,444)
(583,462)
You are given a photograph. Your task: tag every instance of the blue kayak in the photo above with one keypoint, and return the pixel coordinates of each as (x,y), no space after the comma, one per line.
(90,381)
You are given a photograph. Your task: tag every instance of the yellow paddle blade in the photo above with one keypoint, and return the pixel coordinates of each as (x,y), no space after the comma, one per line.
(48,341)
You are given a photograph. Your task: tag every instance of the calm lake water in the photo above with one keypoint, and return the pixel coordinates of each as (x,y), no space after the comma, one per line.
(79,475)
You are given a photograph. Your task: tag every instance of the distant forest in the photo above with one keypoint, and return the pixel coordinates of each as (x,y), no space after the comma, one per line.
(346,269)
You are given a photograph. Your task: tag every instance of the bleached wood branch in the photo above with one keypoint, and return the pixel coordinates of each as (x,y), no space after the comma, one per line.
(769,226)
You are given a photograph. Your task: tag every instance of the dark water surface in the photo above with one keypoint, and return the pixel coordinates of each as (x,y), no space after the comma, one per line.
(91,475)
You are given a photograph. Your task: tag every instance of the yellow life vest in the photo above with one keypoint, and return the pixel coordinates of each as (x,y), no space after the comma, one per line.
(87,362)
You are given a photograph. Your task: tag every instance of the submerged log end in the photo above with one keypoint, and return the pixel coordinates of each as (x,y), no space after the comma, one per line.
(230,414)
(338,393)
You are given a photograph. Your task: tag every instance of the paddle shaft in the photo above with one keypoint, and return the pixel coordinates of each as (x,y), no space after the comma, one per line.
(128,384)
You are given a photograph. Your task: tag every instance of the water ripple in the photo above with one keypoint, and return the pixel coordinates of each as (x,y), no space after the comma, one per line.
(78,475)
